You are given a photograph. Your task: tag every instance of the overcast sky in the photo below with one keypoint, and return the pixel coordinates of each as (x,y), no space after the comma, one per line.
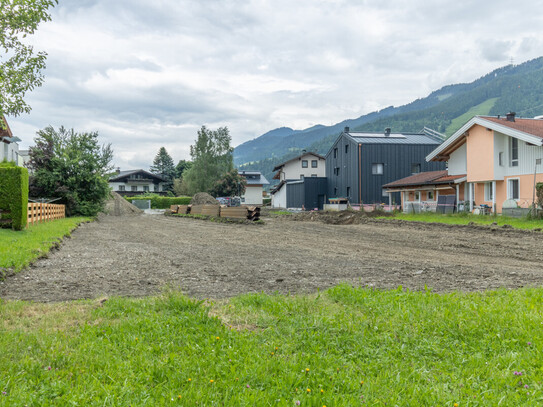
(146,74)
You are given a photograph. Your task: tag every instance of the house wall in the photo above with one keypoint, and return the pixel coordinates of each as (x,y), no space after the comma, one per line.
(397,160)
(348,167)
(253,195)
(293,169)
(139,185)
(308,194)
(480,154)
(10,152)
(279,198)
(458,161)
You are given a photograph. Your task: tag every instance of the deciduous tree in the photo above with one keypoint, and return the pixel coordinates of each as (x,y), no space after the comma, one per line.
(231,184)
(20,65)
(71,166)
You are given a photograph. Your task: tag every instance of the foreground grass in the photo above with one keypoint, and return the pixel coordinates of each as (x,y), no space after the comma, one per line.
(344,347)
(18,249)
(464,219)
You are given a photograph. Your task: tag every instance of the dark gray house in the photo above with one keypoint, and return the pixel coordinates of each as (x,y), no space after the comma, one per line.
(359,164)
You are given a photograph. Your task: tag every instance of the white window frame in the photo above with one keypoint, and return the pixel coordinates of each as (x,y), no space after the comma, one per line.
(509,190)
(377,169)
(488,192)
(305,164)
(513,162)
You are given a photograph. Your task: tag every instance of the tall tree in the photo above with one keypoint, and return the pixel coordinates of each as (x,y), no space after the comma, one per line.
(20,66)
(211,159)
(71,166)
(163,165)
(231,184)
(181,166)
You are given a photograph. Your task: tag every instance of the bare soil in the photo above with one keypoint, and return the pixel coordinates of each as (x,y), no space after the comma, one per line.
(139,255)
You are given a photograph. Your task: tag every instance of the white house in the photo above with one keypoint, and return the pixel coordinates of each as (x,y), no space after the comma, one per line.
(254,188)
(136,182)
(9,149)
(304,166)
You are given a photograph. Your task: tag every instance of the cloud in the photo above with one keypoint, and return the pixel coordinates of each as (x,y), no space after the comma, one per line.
(149,74)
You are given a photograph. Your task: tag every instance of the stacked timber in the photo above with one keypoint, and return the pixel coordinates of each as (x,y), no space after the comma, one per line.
(241,212)
(174,208)
(210,210)
(196,209)
(183,209)
(253,212)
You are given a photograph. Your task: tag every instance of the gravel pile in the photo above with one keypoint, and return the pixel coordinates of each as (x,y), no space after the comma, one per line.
(203,198)
(118,206)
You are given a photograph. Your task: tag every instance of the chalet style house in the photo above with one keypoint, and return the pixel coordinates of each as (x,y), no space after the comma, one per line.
(136,182)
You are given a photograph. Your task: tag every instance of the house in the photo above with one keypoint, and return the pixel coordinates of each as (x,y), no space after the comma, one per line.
(359,163)
(136,182)
(500,159)
(9,149)
(291,175)
(254,189)
(422,192)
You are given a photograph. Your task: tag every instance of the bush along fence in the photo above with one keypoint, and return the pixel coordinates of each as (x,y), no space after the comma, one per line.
(161,202)
(43,212)
(13,196)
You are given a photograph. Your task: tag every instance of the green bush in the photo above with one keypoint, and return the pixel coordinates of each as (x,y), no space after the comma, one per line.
(14,194)
(161,202)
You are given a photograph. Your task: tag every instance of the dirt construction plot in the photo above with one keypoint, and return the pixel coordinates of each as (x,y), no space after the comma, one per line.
(138,255)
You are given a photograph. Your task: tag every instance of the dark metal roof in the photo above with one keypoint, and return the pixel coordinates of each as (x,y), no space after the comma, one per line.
(394,138)
(123,174)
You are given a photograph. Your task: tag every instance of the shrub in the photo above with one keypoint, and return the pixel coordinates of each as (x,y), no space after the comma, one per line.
(14,194)
(161,202)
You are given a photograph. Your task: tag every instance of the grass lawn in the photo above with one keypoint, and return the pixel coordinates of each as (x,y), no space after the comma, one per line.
(464,219)
(343,347)
(480,109)
(18,249)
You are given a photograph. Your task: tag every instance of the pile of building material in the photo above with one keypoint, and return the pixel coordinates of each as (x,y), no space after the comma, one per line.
(234,212)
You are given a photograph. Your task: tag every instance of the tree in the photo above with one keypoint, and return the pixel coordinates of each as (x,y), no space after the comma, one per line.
(163,166)
(231,184)
(211,159)
(20,66)
(181,167)
(71,166)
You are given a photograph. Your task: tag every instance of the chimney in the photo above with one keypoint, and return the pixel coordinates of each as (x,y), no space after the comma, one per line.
(387,132)
(346,130)
(510,116)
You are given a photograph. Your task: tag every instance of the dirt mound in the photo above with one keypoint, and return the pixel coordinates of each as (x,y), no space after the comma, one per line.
(337,218)
(118,206)
(203,198)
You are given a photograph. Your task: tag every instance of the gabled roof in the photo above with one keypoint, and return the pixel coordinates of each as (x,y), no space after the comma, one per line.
(279,166)
(254,177)
(122,174)
(426,178)
(528,130)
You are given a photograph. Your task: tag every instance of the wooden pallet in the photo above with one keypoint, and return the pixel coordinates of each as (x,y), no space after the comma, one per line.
(211,210)
(235,212)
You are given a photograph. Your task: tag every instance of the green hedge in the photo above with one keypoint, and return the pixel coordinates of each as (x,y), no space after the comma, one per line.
(161,202)
(14,194)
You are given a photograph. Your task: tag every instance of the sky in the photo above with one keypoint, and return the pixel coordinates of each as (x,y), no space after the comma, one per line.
(147,74)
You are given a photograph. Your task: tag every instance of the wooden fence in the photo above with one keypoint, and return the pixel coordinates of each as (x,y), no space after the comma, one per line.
(43,212)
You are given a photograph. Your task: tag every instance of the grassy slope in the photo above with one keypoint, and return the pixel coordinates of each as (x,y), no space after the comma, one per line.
(344,347)
(480,109)
(464,219)
(18,249)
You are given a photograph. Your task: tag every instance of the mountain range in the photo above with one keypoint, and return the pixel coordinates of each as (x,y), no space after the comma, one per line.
(517,88)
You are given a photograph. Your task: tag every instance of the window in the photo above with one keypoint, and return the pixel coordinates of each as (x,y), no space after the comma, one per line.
(156,188)
(346,148)
(335,192)
(304,163)
(146,188)
(513,152)
(314,163)
(134,188)
(336,171)
(430,195)
(301,176)
(121,188)
(417,196)
(377,169)
(500,158)
(513,188)
(314,175)
(415,168)
(335,152)
(489,193)
(348,192)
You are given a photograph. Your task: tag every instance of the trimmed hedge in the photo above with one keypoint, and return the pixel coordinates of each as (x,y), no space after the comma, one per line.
(14,194)
(161,202)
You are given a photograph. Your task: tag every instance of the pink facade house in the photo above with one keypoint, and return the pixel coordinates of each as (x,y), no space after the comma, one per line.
(491,161)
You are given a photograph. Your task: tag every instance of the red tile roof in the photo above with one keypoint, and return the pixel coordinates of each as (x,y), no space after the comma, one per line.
(530,126)
(425,178)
